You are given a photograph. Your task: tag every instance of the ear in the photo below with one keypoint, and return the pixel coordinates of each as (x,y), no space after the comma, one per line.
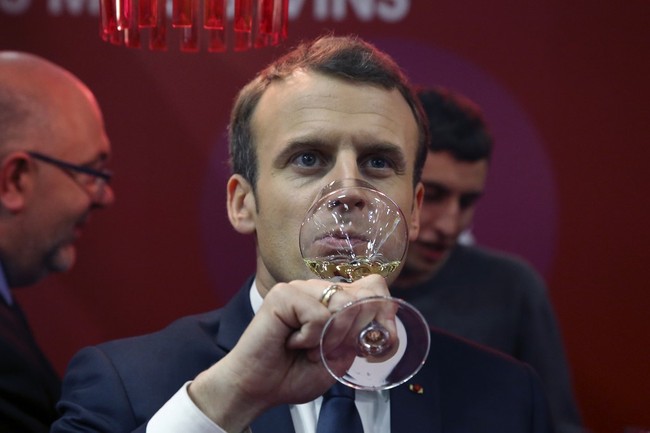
(15,182)
(414,227)
(241,204)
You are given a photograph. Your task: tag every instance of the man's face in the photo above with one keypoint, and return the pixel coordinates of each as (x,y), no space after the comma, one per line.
(451,191)
(62,200)
(312,129)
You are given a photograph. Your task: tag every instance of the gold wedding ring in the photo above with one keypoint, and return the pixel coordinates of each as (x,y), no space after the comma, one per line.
(328,292)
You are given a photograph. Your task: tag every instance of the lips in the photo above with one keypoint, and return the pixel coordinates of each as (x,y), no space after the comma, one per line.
(79,226)
(340,242)
(431,252)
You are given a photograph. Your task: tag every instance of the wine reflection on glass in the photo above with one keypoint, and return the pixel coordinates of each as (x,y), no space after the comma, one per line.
(351,231)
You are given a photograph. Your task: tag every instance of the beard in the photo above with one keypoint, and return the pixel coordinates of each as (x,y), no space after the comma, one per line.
(61,258)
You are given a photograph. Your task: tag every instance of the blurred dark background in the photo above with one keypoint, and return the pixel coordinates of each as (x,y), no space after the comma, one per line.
(564,86)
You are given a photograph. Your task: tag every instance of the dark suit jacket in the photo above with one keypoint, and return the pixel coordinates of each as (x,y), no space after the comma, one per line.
(499,301)
(118,386)
(29,386)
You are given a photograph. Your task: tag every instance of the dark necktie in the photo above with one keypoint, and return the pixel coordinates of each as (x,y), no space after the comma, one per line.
(338,414)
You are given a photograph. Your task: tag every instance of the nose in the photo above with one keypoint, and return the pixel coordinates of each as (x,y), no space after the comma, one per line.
(346,166)
(448,222)
(105,197)
(347,202)
(346,174)
(349,195)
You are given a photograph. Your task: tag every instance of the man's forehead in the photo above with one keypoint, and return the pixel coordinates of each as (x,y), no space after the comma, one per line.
(313,97)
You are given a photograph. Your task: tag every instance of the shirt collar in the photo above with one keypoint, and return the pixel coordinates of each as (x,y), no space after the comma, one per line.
(255,297)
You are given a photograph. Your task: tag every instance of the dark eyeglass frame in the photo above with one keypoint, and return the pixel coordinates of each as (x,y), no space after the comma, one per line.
(105,175)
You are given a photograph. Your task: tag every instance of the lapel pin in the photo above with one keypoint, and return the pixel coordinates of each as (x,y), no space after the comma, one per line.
(414,387)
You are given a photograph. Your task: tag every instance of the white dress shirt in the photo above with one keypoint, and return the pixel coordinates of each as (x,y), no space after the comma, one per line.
(181,414)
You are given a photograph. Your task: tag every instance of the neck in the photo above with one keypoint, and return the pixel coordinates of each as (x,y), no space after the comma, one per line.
(410,277)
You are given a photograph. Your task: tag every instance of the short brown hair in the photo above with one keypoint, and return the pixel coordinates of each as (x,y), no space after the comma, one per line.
(349,58)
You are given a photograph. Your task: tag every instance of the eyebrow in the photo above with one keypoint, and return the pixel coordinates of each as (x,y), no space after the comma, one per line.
(294,146)
(376,148)
(101,159)
(446,190)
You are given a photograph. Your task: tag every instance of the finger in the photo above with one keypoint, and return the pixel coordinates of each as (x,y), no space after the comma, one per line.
(372,285)
(295,306)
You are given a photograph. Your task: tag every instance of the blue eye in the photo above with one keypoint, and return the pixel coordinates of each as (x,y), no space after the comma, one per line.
(306,159)
(378,163)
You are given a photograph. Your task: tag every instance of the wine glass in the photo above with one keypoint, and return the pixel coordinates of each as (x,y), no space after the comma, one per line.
(353,230)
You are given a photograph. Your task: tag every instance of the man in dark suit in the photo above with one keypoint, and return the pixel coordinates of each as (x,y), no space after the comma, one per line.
(331,109)
(52,151)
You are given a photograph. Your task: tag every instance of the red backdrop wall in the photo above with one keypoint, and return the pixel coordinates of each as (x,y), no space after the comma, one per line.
(564,86)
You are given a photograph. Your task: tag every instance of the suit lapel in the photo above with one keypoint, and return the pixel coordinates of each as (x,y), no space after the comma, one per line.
(414,411)
(237,315)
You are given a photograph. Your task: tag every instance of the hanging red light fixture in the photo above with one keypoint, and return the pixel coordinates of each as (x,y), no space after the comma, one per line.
(255,23)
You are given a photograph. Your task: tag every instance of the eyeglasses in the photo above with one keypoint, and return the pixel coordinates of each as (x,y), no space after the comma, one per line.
(96,179)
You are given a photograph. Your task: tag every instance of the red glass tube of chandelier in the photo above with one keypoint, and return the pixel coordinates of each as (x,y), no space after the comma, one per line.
(189,39)
(284,20)
(116,38)
(214,14)
(148,11)
(158,35)
(272,22)
(132,31)
(243,24)
(132,37)
(108,18)
(243,15)
(183,12)
(190,35)
(217,41)
(122,12)
(266,14)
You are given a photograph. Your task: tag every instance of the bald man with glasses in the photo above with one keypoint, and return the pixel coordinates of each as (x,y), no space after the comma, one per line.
(53,156)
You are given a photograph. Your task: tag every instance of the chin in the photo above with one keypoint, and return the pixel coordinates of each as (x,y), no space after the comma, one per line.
(424,267)
(64,259)
(420,263)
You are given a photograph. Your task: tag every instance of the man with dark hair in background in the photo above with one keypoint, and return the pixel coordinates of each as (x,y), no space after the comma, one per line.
(485,296)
